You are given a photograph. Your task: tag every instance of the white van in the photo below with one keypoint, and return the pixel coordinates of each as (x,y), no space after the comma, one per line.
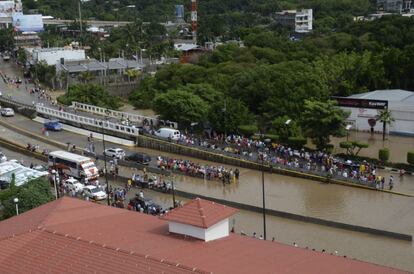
(166,132)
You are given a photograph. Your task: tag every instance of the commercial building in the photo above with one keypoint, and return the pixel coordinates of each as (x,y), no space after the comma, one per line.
(394,5)
(400,103)
(71,235)
(53,56)
(301,21)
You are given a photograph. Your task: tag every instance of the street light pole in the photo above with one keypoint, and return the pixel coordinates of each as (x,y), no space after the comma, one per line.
(106,170)
(264,200)
(16,202)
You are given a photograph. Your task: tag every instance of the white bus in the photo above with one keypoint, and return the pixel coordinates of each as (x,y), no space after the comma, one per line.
(73,165)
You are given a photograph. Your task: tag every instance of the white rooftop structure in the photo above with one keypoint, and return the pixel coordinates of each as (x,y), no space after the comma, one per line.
(185,46)
(22,174)
(400,103)
(52,56)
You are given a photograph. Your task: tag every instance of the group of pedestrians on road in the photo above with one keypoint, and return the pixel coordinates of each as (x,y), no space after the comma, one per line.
(278,155)
(208,172)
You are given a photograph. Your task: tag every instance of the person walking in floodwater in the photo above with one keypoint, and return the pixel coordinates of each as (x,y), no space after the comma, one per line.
(391,182)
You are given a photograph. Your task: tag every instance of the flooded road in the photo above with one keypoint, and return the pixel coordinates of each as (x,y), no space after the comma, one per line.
(398,145)
(361,246)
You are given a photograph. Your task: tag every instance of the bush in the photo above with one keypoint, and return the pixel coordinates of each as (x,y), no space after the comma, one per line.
(384,154)
(345,145)
(273,137)
(329,148)
(297,142)
(248,130)
(410,157)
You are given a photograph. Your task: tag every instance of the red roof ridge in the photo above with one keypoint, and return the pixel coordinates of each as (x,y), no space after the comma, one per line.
(200,213)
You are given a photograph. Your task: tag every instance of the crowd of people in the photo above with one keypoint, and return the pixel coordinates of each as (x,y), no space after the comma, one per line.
(278,155)
(207,172)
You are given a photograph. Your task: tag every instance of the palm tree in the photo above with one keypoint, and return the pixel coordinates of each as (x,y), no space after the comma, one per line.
(85,76)
(385,117)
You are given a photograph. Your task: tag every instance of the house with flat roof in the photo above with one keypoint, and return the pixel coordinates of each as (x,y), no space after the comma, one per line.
(72,235)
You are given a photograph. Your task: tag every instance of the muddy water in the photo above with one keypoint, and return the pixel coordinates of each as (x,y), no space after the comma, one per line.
(374,249)
(310,198)
(398,145)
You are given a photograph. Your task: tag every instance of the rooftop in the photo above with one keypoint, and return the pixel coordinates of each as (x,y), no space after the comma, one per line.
(92,237)
(392,95)
(22,174)
(200,213)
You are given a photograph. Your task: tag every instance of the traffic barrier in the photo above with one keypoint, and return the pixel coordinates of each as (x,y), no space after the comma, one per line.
(98,124)
(139,119)
(302,218)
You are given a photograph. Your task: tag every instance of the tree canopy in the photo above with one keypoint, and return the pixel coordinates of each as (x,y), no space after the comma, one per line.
(30,195)
(90,94)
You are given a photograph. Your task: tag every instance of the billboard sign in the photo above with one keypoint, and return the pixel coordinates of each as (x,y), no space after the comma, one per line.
(360,103)
(28,23)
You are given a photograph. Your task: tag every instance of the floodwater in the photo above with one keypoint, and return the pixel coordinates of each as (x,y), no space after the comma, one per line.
(355,245)
(398,145)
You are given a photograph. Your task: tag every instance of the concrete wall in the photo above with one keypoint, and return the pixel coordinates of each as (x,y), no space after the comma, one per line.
(217,231)
(403,124)
(53,56)
(189,230)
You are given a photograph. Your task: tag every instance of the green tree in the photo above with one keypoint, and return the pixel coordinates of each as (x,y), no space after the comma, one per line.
(320,120)
(353,148)
(285,129)
(30,195)
(85,76)
(90,94)
(385,116)
(180,106)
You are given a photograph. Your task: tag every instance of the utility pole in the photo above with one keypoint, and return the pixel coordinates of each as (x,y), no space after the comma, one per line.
(80,15)
(194,20)
(106,170)
(264,200)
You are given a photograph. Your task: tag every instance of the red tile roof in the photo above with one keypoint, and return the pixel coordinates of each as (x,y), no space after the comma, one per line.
(200,213)
(42,251)
(84,230)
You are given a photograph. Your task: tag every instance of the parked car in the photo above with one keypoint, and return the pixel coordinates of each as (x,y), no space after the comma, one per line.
(7,112)
(73,184)
(168,133)
(3,157)
(118,153)
(94,192)
(147,204)
(139,157)
(40,168)
(53,125)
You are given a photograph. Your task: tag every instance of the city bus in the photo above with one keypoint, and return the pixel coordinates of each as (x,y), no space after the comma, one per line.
(73,165)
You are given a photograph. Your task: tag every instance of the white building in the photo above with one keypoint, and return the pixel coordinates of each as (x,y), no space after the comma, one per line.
(53,56)
(400,103)
(300,21)
(22,174)
(201,219)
